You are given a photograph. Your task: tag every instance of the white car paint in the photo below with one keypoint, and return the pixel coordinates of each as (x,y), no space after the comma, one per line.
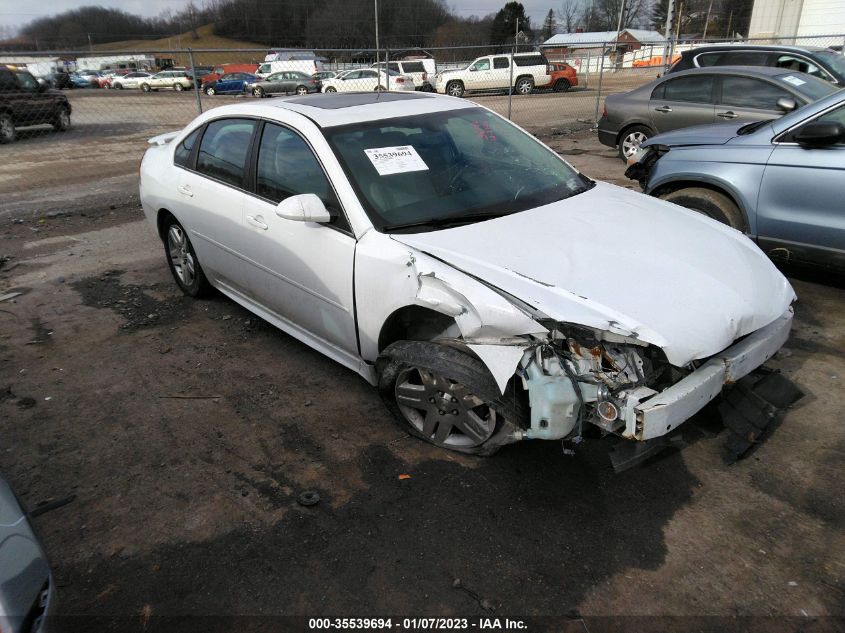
(366,80)
(633,269)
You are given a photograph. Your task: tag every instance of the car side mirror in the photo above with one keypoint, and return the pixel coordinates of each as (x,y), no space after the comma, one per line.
(786,104)
(306,207)
(820,134)
(472,69)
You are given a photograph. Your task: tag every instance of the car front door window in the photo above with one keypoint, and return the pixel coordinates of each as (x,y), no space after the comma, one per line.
(746,92)
(682,102)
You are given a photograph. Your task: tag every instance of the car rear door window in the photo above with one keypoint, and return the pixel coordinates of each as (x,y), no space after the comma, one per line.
(746,92)
(744,58)
(500,62)
(224,148)
(693,89)
(182,155)
(707,59)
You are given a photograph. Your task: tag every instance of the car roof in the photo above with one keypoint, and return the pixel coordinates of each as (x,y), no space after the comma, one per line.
(768,71)
(332,110)
(762,47)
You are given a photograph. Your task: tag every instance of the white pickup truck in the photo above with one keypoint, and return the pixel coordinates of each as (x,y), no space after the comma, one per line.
(493,72)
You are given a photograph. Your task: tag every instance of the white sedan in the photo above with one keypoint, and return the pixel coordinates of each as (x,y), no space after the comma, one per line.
(488,289)
(367,79)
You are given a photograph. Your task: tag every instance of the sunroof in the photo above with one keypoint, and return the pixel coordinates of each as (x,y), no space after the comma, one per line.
(336,101)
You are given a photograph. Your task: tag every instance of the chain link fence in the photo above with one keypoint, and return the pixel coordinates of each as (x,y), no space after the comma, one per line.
(120,99)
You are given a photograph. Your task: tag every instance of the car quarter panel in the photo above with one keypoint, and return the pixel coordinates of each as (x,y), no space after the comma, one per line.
(737,171)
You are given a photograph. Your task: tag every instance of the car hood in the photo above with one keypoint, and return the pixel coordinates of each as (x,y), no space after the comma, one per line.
(626,263)
(714,134)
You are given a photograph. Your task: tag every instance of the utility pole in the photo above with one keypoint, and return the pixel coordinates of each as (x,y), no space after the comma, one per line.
(375,4)
(707,21)
(90,44)
(618,29)
(510,65)
(667,33)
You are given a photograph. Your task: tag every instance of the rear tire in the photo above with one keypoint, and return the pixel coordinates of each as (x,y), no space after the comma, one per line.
(631,139)
(7,129)
(713,204)
(301,90)
(62,121)
(524,85)
(145,87)
(182,260)
(210,91)
(118,86)
(258,91)
(447,397)
(562,85)
(331,89)
(178,87)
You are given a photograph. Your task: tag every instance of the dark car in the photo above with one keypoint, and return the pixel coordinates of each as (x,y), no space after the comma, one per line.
(823,63)
(285,82)
(23,102)
(704,95)
(59,80)
(232,83)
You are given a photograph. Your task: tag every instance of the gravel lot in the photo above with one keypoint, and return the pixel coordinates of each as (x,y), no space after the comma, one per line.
(186,429)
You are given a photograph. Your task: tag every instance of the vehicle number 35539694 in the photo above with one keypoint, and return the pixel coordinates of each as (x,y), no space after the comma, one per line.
(411,624)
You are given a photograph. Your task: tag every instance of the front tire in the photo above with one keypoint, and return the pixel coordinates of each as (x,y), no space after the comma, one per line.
(446,397)
(210,91)
(182,260)
(713,204)
(525,85)
(631,140)
(301,90)
(455,89)
(258,91)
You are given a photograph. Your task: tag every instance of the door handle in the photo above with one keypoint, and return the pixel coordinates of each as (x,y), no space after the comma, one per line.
(185,190)
(257,221)
(727,115)
(663,109)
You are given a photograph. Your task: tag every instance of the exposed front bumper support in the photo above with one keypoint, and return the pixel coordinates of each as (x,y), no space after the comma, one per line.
(662,413)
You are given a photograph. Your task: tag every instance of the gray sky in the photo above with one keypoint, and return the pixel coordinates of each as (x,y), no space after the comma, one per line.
(15,13)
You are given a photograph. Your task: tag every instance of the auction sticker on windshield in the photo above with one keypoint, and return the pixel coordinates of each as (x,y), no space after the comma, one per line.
(395,160)
(794,80)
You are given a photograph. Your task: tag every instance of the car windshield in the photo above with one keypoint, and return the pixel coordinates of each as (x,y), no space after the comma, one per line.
(432,170)
(811,87)
(836,61)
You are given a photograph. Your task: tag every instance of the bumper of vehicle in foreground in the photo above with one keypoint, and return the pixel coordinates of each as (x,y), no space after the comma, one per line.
(665,411)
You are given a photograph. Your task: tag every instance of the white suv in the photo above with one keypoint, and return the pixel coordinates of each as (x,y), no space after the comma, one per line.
(493,72)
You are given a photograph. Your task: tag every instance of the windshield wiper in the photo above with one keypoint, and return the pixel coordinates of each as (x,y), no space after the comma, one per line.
(441,223)
(750,127)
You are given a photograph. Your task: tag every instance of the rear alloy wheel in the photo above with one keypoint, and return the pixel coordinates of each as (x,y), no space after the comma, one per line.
(210,91)
(62,121)
(178,87)
(525,86)
(562,85)
(631,140)
(118,86)
(446,397)
(713,204)
(455,89)
(7,129)
(145,87)
(258,91)
(301,90)
(182,260)
(331,89)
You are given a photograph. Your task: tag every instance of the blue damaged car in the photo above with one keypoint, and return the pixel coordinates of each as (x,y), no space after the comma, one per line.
(782,182)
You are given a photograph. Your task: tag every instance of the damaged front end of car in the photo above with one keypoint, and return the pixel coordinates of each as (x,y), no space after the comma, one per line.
(579,376)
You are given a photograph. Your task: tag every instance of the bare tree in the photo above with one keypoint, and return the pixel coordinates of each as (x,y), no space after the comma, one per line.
(568,14)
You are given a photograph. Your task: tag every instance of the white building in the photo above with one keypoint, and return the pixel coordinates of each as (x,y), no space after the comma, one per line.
(39,66)
(797,18)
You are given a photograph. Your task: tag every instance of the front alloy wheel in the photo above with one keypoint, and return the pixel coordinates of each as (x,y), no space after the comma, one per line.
(258,91)
(301,90)
(210,91)
(455,89)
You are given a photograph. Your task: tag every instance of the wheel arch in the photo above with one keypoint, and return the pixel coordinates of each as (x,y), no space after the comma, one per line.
(723,188)
(161,221)
(415,323)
